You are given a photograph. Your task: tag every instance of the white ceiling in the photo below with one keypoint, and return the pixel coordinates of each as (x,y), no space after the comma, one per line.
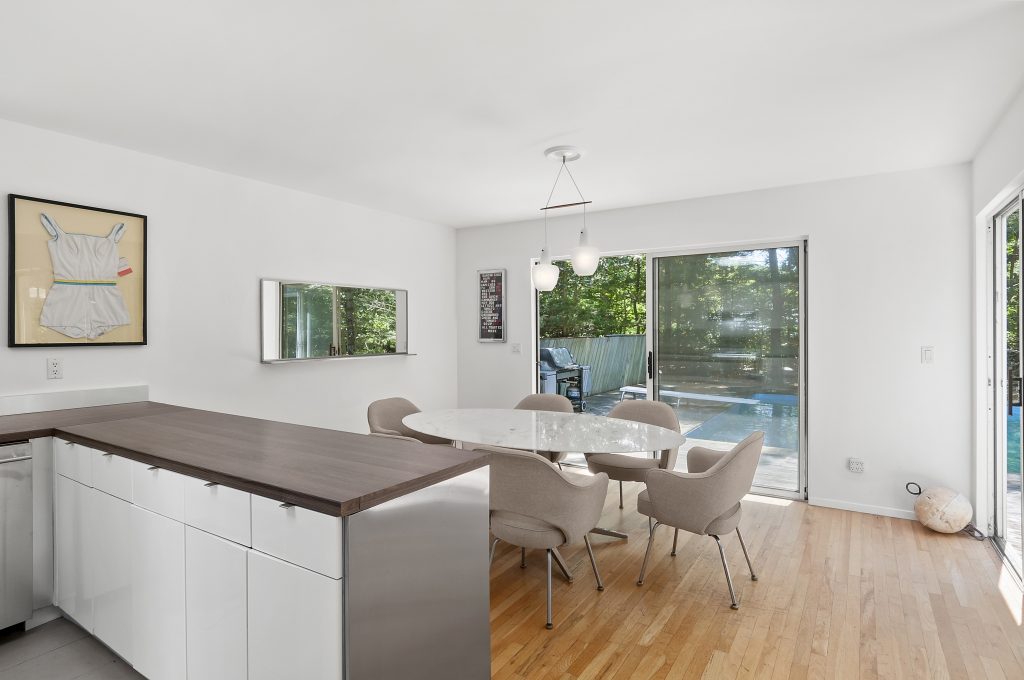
(440,109)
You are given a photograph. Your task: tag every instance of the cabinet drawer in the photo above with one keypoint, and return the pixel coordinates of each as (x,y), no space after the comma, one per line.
(218,510)
(303,537)
(161,491)
(112,474)
(73,461)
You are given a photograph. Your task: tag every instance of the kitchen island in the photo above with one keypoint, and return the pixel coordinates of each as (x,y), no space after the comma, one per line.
(204,545)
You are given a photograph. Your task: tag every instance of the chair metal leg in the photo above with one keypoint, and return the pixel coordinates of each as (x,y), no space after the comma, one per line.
(753,576)
(549,624)
(620,495)
(559,465)
(650,525)
(675,542)
(522,558)
(493,547)
(647,555)
(593,563)
(562,566)
(728,576)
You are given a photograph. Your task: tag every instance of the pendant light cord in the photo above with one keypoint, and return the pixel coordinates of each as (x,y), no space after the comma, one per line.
(552,193)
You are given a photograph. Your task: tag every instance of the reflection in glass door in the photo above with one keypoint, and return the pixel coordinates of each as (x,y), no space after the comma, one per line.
(727,352)
(1007,266)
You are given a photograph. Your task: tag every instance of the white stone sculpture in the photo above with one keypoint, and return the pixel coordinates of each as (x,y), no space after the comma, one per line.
(942,509)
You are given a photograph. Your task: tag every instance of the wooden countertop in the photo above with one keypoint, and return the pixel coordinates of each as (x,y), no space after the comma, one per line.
(337,473)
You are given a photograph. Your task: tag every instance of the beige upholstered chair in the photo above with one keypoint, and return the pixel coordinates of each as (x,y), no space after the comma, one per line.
(547,402)
(535,505)
(704,501)
(623,468)
(385,417)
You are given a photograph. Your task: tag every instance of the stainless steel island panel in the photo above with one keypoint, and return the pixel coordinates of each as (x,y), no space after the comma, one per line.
(416,584)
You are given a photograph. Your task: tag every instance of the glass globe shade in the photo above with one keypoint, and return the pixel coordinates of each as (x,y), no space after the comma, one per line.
(585,259)
(545,276)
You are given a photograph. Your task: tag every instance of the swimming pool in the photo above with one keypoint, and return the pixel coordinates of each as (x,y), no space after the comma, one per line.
(778,415)
(1013,441)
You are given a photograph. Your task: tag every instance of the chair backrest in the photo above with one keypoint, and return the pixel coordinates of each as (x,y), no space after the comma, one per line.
(653,413)
(385,417)
(526,484)
(545,402)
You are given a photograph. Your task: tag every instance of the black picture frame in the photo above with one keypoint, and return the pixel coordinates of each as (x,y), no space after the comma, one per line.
(492,316)
(12,200)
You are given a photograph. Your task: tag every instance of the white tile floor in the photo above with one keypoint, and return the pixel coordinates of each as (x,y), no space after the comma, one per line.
(59,650)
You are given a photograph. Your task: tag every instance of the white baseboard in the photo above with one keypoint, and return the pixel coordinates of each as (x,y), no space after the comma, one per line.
(862,507)
(52,401)
(41,616)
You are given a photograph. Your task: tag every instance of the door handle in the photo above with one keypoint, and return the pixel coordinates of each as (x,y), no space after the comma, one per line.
(1010,403)
(650,364)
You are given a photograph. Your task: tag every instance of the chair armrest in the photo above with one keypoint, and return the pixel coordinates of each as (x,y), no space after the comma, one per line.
(387,432)
(388,435)
(702,459)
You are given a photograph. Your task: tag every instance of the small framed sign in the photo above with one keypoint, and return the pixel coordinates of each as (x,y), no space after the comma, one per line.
(491,326)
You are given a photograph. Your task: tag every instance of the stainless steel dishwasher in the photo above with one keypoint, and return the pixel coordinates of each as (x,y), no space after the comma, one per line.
(15,533)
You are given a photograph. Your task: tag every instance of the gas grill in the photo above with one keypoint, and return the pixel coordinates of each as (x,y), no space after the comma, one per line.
(560,374)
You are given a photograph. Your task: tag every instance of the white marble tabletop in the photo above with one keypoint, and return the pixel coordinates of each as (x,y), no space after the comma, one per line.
(543,430)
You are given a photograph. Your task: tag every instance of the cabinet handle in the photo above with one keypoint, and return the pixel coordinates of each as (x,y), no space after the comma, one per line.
(150,469)
(107,454)
(210,484)
(69,443)
(286,505)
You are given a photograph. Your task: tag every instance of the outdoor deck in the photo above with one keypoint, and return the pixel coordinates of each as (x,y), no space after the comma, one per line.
(777,469)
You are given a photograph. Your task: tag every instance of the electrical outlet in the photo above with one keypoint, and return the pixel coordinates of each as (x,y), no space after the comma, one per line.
(517,348)
(855,464)
(54,369)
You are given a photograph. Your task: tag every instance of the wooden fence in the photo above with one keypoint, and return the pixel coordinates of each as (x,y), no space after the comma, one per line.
(614,360)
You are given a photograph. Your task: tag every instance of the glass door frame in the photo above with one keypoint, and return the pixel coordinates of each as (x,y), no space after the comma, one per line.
(652,357)
(998,382)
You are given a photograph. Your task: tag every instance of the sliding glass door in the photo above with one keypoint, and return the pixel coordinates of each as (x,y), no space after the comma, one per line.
(727,352)
(1007,383)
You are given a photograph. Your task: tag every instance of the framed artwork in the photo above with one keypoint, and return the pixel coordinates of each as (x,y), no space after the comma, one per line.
(491,327)
(77,275)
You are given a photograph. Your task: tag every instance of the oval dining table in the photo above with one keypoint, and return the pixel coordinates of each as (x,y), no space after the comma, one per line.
(545,431)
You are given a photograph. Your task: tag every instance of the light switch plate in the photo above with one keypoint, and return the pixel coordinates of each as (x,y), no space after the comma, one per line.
(927,354)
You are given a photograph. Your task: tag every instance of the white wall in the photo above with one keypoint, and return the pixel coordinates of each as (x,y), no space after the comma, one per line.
(211,237)
(888,271)
(999,164)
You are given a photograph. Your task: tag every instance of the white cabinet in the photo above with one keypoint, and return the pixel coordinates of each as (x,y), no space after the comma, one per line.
(216,607)
(73,461)
(112,474)
(295,626)
(218,510)
(112,572)
(158,595)
(297,535)
(73,546)
(159,490)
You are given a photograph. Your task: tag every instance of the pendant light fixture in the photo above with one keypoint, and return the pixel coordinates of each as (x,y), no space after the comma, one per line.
(585,257)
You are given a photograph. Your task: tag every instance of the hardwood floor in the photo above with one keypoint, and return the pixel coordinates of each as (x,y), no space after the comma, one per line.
(840,595)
